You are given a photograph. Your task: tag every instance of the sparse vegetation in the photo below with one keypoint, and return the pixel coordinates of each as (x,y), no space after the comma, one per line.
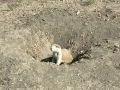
(88,2)
(108,10)
(14,5)
(19,1)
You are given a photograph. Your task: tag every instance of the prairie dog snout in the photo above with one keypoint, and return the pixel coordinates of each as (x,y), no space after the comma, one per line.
(62,55)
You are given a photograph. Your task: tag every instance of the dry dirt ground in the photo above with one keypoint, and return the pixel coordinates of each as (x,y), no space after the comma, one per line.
(91,28)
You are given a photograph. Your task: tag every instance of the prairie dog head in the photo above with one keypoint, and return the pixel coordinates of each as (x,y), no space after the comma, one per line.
(56,48)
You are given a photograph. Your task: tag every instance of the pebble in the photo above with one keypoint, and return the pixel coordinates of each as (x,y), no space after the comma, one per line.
(117,45)
(78,12)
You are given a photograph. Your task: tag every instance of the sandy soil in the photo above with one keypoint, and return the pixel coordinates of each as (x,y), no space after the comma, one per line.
(91,28)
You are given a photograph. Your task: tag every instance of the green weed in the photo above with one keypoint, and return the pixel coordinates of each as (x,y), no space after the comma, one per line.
(88,2)
(108,10)
(12,6)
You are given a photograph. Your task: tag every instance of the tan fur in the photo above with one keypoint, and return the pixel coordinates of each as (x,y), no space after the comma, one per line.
(66,56)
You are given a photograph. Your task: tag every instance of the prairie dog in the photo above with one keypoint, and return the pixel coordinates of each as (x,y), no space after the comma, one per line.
(63,55)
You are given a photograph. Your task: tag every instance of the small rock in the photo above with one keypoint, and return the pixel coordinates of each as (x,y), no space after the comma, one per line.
(81,51)
(78,12)
(116,45)
(116,50)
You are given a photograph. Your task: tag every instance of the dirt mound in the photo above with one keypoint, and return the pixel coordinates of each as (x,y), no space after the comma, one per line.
(90,28)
